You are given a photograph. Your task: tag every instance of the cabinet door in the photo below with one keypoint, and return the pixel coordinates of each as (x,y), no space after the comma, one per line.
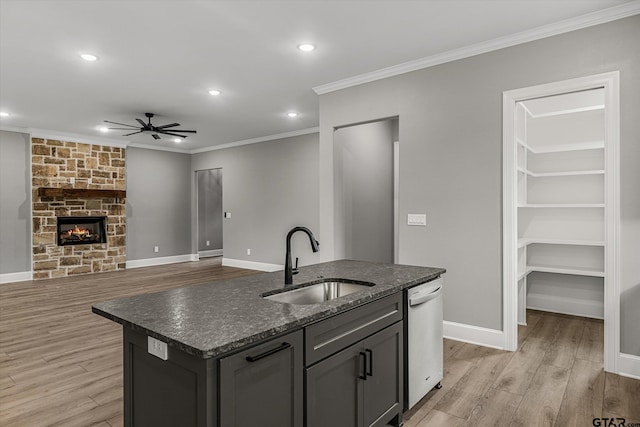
(384,384)
(334,389)
(263,386)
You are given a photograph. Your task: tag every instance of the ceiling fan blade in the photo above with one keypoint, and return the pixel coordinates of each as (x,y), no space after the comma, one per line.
(173,134)
(121,124)
(182,131)
(132,133)
(168,126)
(155,136)
(144,125)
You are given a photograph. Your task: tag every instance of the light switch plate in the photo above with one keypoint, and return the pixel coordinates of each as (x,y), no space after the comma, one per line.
(157,348)
(417,219)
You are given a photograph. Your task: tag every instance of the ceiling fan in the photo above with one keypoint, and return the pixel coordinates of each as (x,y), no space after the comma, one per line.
(150,129)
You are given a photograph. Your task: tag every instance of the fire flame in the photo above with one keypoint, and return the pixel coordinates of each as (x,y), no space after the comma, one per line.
(80,232)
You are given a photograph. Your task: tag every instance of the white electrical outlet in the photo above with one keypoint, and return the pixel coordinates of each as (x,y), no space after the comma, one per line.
(157,348)
(156,249)
(72,180)
(248,251)
(208,243)
(227,214)
(417,219)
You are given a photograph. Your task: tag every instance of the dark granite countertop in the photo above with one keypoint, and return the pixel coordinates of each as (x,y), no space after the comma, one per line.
(215,318)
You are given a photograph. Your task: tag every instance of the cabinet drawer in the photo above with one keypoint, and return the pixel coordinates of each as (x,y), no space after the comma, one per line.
(326,337)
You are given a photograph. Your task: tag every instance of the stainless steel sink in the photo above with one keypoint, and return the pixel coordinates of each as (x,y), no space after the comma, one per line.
(316,293)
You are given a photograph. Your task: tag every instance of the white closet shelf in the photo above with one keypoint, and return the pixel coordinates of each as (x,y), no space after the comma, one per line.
(562,205)
(525,241)
(578,271)
(559,148)
(563,173)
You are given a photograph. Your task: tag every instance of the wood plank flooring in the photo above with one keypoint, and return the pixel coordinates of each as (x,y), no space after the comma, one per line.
(556,378)
(61,365)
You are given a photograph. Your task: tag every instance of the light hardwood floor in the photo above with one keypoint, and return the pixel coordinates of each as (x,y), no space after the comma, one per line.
(61,365)
(556,378)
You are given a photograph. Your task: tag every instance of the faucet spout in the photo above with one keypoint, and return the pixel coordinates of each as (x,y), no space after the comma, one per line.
(288,269)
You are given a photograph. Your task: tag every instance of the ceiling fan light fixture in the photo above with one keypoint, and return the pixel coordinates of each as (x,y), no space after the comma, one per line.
(177,140)
(89,57)
(103,129)
(214,92)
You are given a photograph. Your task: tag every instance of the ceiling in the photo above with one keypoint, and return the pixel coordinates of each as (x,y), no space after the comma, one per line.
(164,56)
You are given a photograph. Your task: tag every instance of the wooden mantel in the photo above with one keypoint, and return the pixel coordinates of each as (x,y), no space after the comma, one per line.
(80,192)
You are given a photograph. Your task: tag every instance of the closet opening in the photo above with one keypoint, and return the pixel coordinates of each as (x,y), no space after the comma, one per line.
(209,211)
(560,213)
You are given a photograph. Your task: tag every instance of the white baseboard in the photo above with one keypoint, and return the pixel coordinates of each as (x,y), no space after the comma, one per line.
(251,265)
(629,366)
(210,253)
(137,263)
(20,276)
(473,334)
(558,304)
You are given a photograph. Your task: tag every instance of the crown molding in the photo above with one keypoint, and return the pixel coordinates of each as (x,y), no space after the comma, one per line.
(64,136)
(13,129)
(158,148)
(50,134)
(565,26)
(256,140)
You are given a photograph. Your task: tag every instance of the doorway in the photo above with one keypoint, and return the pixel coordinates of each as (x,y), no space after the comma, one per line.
(209,208)
(561,199)
(365,178)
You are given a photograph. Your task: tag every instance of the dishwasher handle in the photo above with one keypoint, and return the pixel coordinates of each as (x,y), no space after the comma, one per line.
(422,298)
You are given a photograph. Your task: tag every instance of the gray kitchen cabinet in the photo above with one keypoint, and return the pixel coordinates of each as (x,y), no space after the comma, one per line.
(263,385)
(360,385)
(166,393)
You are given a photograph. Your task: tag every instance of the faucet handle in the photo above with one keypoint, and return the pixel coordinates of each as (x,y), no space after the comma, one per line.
(295,269)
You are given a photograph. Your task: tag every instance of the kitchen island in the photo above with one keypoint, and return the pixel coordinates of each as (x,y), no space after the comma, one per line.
(216,353)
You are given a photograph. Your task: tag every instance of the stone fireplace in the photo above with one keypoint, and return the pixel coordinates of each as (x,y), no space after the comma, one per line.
(79,201)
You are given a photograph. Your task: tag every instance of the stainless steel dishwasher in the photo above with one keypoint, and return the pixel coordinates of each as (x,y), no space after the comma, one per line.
(423,332)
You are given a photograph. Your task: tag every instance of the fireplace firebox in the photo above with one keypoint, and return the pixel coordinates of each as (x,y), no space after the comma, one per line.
(81,230)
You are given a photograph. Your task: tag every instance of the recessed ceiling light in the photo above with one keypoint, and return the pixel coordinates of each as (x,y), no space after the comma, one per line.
(292,114)
(103,129)
(177,140)
(306,47)
(214,92)
(89,57)
(4,114)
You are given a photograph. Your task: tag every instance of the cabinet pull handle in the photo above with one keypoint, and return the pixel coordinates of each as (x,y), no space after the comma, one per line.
(281,347)
(370,369)
(363,366)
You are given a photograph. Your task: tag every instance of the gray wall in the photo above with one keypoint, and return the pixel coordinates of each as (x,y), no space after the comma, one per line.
(268,188)
(209,201)
(450,128)
(158,203)
(15,202)
(363,196)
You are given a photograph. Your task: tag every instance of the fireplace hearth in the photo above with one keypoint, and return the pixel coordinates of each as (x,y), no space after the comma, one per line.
(81,230)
